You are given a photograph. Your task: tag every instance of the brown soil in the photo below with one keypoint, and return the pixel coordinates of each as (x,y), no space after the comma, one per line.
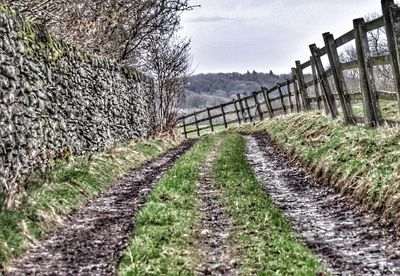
(350,241)
(216,254)
(91,242)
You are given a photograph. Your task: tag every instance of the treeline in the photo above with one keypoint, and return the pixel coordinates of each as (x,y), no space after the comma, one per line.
(215,88)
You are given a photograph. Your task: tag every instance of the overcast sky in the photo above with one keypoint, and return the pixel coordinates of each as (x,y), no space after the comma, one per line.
(241,35)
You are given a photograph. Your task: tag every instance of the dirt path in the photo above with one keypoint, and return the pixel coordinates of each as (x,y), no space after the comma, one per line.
(216,254)
(349,241)
(91,242)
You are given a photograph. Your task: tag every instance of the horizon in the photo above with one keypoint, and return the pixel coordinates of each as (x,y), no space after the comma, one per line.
(242,73)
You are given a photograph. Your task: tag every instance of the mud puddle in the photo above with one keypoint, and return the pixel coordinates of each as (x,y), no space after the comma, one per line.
(349,241)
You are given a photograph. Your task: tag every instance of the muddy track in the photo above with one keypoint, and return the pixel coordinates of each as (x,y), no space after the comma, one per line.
(91,241)
(348,240)
(215,252)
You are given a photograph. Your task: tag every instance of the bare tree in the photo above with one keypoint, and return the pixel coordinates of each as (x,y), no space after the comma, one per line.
(352,75)
(377,38)
(168,60)
(115,28)
(377,41)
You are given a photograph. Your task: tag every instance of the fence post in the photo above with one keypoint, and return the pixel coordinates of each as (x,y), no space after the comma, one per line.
(278,85)
(241,107)
(296,90)
(290,95)
(316,88)
(391,15)
(237,111)
(258,107)
(338,77)
(267,102)
(184,126)
(248,109)
(223,116)
(330,99)
(368,89)
(302,86)
(210,119)
(197,124)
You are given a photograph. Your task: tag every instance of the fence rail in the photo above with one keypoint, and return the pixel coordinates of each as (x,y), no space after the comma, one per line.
(293,95)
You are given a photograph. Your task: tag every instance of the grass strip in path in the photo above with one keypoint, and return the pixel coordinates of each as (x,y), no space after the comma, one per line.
(214,250)
(162,242)
(66,187)
(261,235)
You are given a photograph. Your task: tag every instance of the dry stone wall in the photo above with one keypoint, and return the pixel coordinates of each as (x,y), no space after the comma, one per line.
(56,99)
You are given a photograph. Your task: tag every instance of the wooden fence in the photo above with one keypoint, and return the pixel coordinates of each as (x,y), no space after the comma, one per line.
(326,89)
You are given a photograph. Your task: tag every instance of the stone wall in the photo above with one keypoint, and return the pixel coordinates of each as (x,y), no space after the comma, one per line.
(55,99)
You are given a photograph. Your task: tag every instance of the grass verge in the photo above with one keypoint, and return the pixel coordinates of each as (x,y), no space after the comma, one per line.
(389,110)
(362,163)
(260,232)
(162,242)
(65,188)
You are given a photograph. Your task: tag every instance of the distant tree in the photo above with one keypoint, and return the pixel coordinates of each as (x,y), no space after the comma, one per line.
(254,75)
(271,73)
(227,85)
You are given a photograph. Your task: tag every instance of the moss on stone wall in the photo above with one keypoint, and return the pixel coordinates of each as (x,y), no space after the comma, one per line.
(39,42)
(56,97)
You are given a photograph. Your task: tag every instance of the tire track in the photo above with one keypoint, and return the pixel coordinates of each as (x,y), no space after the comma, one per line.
(91,241)
(351,242)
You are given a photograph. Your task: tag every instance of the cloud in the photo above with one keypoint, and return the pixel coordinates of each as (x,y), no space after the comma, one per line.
(236,35)
(202,19)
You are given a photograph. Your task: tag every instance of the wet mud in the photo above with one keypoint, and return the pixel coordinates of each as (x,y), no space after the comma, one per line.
(92,241)
(349,241)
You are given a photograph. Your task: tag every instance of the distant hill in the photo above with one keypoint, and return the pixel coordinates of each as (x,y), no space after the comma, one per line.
(211,89)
